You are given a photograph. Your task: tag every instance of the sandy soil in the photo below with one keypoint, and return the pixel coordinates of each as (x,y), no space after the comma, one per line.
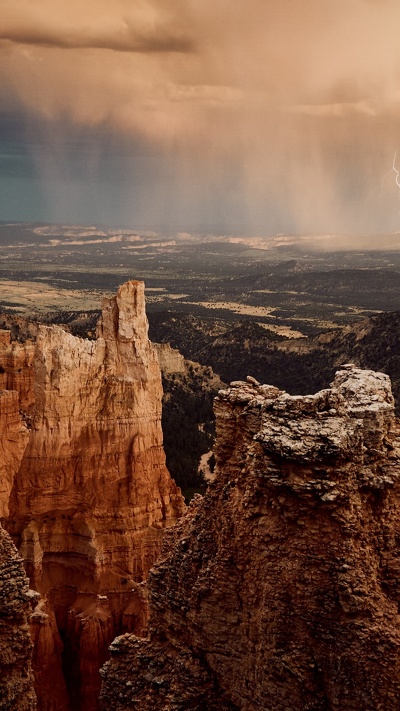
(30,297)
(286,331)
(236,307)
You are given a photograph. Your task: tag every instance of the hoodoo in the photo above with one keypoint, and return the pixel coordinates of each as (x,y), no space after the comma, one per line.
(92,495)
(280,588)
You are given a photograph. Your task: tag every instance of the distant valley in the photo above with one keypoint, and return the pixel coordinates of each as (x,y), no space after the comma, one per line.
(293,286)
(281,310)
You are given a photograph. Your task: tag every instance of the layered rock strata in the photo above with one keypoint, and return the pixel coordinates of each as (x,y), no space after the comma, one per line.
(14,437)
(16,368)
(16,677)
(280,589)
(92,495)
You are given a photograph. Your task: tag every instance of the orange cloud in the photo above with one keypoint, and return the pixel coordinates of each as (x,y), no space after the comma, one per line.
(338,109)
(289,99)
(140,59)
(119,34)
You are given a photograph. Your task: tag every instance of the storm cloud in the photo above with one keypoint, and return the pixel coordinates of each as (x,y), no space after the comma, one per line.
(263,115)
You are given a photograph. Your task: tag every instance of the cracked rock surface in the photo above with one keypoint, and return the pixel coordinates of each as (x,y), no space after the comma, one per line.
(16,677)
(280,588)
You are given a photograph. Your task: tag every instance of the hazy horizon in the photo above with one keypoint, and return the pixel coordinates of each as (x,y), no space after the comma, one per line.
(54,234)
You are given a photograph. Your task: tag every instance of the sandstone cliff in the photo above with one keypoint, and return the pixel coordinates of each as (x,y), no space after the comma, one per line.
(279,589)
(13,440)
(16,368)
(16,677)
(171,361)
(92,495)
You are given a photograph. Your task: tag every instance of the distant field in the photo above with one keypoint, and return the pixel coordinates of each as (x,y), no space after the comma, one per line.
(282,284)
(28,298)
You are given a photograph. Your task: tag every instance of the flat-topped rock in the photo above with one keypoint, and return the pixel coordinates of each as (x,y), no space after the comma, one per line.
(352,418)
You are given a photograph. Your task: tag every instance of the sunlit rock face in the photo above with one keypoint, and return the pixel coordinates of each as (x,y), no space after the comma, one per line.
(16,677)
(280,588)
(16,369)
(171,361)
(92,495)
(14,437)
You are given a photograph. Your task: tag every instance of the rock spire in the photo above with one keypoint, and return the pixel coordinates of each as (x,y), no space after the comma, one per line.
(90,500)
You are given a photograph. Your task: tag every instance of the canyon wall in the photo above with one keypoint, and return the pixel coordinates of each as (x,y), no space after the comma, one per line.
(14,437)
(92,496)
(171,361)
(280,588)
(16,677)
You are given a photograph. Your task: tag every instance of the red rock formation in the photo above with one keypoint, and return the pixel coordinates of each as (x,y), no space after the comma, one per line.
(280,588)
(47,659)
(13,440)
(92,495)
(16,368)
(16,677)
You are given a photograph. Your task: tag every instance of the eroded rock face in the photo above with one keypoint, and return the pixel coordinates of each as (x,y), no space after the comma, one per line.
(171,361)
(14,437)
(280,588)
(16,677)
(92,495)
(16,369)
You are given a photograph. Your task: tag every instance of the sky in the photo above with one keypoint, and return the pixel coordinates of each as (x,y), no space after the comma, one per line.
(225,116)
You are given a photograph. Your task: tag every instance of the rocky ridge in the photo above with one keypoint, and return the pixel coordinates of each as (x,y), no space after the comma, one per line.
(91,497)
(296,365)
(279,589)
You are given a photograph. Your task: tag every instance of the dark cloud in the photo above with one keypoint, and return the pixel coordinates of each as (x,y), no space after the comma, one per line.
(158,40)
(273,114)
